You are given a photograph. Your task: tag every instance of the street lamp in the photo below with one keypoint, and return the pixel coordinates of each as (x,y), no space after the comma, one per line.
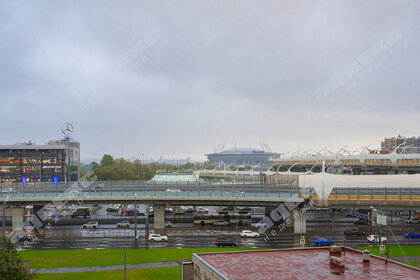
(4,215)
(135,220)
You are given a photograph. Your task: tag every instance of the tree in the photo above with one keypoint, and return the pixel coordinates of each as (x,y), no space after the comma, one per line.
(108,173)
(94,165)
(11,263)
(107,160)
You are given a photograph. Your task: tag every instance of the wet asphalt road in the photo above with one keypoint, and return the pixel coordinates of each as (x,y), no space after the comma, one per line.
(188,236)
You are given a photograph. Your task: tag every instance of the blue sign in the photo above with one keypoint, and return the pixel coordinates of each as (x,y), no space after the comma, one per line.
(55,180)
(24,180)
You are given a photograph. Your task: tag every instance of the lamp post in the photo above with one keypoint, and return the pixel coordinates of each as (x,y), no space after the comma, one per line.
(4,215)
(135,221)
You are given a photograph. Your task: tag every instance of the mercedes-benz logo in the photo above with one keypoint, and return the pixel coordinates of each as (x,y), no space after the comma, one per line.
(67,129)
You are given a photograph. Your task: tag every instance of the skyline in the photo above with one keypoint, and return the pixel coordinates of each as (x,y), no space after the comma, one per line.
(176,80)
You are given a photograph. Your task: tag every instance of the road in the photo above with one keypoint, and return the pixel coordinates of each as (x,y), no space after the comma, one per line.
(187,236)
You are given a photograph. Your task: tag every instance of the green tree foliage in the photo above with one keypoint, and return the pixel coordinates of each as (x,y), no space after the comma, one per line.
(120,169)
(107,160)
(11,263)
(108,173)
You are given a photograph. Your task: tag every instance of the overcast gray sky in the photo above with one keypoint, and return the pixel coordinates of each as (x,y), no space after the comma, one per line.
(177,78)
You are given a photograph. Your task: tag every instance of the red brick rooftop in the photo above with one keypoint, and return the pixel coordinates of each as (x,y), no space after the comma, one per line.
(304,264)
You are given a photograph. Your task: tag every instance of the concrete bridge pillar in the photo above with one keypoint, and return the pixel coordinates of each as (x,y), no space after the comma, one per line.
(159,218)
(373,215)
(17,218)
(299,221)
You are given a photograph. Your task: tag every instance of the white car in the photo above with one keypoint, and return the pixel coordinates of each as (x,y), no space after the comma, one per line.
(202,210)
(173,190)
(375,238)
(158,237)
(6,190)
(91,224)
(123,224)
(248,233)
(221,223)
(168,224)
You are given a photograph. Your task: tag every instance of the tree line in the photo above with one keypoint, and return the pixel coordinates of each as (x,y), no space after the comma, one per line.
(120,169)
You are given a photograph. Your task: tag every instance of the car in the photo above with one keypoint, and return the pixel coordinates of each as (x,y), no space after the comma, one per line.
(158,237)
(352,231)
(130,212)
(173,191)
(228,208)
(123,224)
(91,224)
(248,233)
(168,224)
(112,209)
(323,242)
(375,238)
(22,238)
(412,221)
(221,223)
(361,222)
(169,210)
(224,242)
(97,188)
(411,235)
(187,209)
(81,212)
(202,210)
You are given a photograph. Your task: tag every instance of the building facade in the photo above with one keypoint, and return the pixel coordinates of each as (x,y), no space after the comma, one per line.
(406,144)
(27,162)
(241,156)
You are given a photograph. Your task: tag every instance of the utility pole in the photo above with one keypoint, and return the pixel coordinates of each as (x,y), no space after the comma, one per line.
(146,233)
(135,221)
(125,265)
(4,216)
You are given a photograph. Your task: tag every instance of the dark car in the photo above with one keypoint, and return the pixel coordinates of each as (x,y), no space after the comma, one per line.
(228,208)
(411,235)
(23,238)
(224,242)
(352,232)
(412,221)
(112,209)
(361,222)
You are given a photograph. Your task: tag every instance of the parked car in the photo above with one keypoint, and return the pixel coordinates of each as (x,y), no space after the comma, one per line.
(168,224)
(98,188)
(202,210)
(228,208)
(169,210)
(158,237)
(91,224)
(361,222)
(221,223)
(248,233)
(323,242)
(123,224)
(411,235)
(130,212)
(352,231)
(173,191)
(375,238)
(412,221)
(224,242)
(112,209)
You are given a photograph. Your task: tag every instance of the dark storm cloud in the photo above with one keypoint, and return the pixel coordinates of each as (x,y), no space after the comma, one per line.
(176,78)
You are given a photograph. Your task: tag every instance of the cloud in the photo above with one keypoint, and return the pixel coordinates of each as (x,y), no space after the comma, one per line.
(176,79)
